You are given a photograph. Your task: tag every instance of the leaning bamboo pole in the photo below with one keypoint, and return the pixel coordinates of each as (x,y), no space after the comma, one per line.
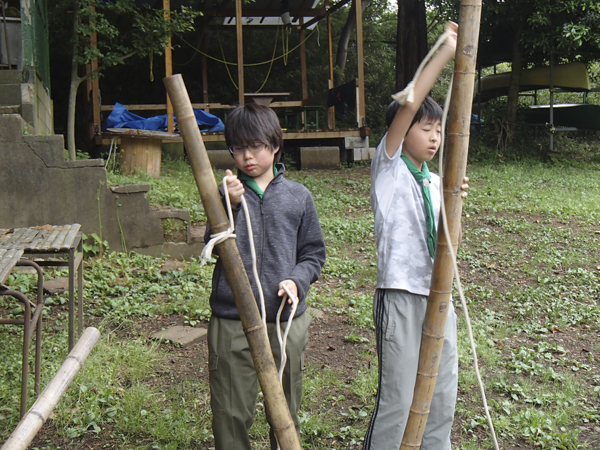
(279,413)
(432,339)
(32,422)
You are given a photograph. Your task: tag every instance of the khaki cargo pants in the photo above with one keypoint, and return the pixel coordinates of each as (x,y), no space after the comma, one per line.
(233,382)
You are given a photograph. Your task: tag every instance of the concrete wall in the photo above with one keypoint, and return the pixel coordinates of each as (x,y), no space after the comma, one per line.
(38,187)
(25,90)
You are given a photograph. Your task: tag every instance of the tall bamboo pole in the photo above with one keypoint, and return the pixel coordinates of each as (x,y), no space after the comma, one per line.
(432,339)
(281,420)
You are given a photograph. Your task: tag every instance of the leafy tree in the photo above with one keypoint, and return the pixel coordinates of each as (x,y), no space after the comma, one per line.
(121,29)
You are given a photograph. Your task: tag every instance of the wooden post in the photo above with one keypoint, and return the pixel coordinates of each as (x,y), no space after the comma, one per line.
(93,89)
(331,82)
(169,67)
(432,339)
(281,420)
(240,50)
(303,61)
(32,422)
(360,63)
(204,71)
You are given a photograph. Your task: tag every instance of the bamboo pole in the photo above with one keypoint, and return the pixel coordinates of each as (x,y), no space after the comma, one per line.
(32,422)
(432,339)
(281,420)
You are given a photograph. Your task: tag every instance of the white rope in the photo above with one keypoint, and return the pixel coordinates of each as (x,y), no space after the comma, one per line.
(113,146)
(283,340)
(217,238)
(408,93)
(457,275)
(263,308)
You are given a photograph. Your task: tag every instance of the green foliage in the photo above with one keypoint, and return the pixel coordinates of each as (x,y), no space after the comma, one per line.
(529,267)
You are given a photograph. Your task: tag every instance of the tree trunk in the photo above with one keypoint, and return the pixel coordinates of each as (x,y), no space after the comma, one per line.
(512,103)
(342,49)
(411,40)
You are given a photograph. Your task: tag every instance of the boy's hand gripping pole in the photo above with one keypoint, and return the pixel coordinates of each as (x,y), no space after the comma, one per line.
(281,420)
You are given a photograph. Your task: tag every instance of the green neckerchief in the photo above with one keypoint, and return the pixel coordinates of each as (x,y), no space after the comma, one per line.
(424,179)
(252,184)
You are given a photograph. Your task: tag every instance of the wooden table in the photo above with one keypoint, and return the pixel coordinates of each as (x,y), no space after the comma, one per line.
(45,243)
(141,149)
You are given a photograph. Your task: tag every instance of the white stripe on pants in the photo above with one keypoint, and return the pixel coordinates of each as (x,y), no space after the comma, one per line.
(399,317)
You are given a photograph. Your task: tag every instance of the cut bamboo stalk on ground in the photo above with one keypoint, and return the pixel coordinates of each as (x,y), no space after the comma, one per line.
(432,338)
(37,415)
(281,419)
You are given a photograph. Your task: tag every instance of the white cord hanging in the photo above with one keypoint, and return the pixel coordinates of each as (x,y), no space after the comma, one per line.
(283,340)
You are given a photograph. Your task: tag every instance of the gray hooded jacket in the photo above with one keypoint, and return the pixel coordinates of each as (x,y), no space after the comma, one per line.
(289,245)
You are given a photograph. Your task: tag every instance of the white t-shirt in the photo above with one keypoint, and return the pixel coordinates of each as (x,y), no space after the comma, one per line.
(403,260)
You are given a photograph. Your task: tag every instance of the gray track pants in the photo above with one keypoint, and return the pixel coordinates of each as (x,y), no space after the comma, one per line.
(399,317)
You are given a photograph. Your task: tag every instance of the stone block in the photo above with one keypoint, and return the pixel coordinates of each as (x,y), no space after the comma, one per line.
(50,148)
(99,162)
(361,154)
(10,94)
(10,76)
(181,335)
(175,223)
(130,188)
(11,128)
(319,157)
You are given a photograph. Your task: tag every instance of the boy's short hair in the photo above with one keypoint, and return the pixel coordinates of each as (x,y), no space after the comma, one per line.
(429,109)
(254,123)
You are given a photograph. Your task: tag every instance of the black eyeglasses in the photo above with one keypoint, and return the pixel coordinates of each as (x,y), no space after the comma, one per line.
(255,147)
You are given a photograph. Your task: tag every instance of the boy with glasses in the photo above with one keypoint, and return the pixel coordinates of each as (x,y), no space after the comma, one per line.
(290,251)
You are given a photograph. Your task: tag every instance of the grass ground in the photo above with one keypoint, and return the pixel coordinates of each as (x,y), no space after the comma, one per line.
(529,265)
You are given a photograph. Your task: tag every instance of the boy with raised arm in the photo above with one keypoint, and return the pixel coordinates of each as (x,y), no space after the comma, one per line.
(405,198)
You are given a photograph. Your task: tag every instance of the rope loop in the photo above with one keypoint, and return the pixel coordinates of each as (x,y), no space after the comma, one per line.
(408,93)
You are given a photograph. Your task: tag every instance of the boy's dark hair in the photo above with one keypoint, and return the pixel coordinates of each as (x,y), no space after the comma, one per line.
(429,109)
(254,123)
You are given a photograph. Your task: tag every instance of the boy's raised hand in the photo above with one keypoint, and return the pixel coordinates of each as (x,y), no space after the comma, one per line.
(452,30)
(235,188)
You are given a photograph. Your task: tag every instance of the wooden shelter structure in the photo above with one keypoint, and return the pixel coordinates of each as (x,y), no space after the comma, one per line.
(297,16)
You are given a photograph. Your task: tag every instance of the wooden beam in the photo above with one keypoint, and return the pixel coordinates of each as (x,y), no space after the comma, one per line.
(240,50)
(163,106)
(266,12)
(331,10)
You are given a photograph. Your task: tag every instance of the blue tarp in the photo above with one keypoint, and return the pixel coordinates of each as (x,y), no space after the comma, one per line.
(120,117)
